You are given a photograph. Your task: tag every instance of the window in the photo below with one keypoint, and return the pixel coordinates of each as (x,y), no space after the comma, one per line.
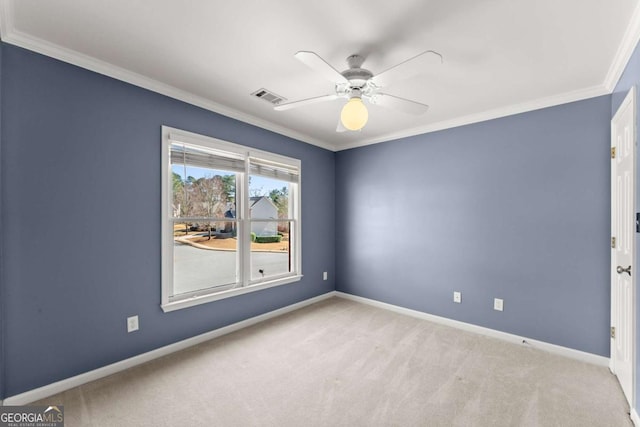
(230,220)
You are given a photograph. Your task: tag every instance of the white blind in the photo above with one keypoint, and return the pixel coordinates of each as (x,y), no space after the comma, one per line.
(274,170)
(200,157)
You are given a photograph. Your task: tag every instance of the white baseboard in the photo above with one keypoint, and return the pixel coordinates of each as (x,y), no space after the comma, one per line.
(551,348)
(66,384)
(635,418)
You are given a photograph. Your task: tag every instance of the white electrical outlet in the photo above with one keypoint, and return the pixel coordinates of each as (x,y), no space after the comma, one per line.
(457,297)
(324,276)
(132,324)
(498,304)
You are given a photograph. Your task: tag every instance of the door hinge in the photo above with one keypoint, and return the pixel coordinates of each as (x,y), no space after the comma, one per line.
(613,332)
(613,243)
(613,152)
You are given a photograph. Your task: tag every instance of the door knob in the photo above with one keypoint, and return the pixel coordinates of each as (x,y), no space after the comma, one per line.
(621,270)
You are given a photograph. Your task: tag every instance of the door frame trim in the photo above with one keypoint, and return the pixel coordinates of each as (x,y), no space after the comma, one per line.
(629,100)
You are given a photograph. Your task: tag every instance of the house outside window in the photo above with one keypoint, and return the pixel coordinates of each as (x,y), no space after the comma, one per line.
(230,220)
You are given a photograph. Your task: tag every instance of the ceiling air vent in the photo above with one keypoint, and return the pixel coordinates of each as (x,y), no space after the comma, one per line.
(269,96)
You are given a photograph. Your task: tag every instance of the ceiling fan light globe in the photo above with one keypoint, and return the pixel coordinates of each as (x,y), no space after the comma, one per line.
(354,114)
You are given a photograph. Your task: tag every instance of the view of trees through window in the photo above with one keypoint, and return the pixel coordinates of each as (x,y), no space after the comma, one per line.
(210,195)
(205,228)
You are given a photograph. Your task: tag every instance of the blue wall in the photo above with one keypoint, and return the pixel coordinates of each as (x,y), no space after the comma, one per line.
(80,195)
(631,77)
(514,208)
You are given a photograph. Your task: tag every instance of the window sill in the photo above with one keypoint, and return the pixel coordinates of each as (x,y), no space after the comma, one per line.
(202,299)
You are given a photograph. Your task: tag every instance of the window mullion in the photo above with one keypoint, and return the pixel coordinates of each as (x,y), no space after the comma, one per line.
(295,229)
(191,272)
(244,241)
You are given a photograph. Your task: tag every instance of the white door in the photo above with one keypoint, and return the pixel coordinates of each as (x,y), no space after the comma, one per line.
(623,269)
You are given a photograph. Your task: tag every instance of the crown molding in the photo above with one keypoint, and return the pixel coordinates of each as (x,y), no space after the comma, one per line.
(496,113)
(6,23)
(625,50)
(12,36)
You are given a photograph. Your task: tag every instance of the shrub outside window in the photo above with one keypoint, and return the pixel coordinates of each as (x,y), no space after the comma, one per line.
(230,221)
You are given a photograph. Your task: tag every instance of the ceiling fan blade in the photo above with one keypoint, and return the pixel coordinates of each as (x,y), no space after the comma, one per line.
(321,66)
(340,128)
(402,104)
(303,102)
(407,69)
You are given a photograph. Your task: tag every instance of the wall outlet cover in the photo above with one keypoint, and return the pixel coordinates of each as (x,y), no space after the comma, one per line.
(132,324)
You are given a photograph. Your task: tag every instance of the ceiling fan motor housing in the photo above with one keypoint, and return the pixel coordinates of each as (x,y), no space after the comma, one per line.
(358,84)
(357,77)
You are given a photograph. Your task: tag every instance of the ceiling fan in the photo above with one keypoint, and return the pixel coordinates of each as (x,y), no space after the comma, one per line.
(357,83)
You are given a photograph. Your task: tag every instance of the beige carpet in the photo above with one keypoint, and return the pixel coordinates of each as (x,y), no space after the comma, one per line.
(341,363)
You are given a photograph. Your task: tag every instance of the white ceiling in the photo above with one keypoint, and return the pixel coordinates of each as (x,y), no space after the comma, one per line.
(500,56)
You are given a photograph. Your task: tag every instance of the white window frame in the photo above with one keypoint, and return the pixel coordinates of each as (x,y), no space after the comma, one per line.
(245,284)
